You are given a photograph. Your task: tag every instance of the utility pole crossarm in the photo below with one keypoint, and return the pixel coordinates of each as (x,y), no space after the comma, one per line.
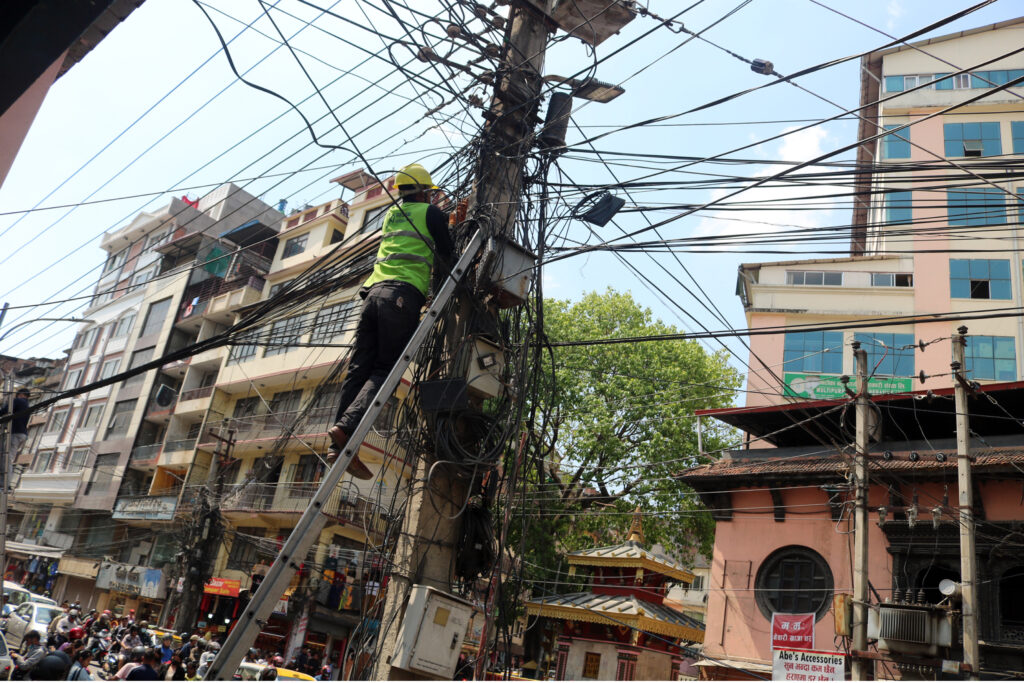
(309,526)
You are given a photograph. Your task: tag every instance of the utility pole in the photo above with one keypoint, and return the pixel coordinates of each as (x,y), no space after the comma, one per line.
(968,558)
(426,546)
(206,538)
(5,466)
(859,670)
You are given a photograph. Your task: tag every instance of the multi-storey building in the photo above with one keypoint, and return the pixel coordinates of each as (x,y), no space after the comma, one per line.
(96,450)
(935,234)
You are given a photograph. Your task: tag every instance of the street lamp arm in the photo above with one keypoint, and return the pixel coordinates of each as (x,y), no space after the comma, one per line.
(36,320)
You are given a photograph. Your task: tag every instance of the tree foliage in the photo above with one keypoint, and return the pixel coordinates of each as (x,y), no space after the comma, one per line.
(620,426)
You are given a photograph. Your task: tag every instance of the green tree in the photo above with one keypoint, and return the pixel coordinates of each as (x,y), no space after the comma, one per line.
(620,426)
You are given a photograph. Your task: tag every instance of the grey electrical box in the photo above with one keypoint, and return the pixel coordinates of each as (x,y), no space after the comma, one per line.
(484,377)
(511,272)
(430,639)
(592,21)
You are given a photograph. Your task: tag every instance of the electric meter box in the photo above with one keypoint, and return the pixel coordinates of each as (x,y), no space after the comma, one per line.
(430,639)
(486,368)
(511,273)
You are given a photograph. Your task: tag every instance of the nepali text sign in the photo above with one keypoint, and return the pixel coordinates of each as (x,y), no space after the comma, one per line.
(124,578)
(219,586)
(792,631)
(823,387)
(808,665)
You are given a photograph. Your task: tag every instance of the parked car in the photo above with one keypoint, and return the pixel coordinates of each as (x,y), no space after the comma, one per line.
(248,671)
(42,599)
(29,616)
(14,595)
(6,662)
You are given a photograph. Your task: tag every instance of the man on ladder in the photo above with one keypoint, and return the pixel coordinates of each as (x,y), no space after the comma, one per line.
(413,232)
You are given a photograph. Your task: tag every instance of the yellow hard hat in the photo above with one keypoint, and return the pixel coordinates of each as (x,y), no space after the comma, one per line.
(415,174)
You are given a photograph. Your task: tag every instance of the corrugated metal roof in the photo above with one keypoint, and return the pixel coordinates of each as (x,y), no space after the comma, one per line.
(630,550)
(624,605)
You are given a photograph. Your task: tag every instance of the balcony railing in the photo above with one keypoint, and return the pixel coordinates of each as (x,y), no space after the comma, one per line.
(345,504)
(192,394)
(198,296)
(142,453)
(180,445)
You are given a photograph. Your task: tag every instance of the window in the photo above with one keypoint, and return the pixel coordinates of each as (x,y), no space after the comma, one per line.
(892,280)
(142,278)
(156,240)
(1017,133)
(102,474)
(247,407)
(793,580)
(891,360)
(991,358)
(43,461)
(245,348)
(295,246)
(74,378)
(285,334)
(373,219)
(301,476)
(894,84)
(979,279)
(139,358)
(115,260)
(972,139)
(57,421)
(275,288)
(336,236)
(120,418)
(832,278)
(110,368)
(591,665)
(155,317)
(984,206)
(896,145)
(243,553)
(813,352)
(333,321)
(124,325)
(86,339)
(957,82)
(698,583)
(92,416)
(77,460)
(898,207)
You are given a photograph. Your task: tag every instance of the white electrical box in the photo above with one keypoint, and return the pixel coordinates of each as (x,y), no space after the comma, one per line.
(512,273)
(486,369)
(430,639)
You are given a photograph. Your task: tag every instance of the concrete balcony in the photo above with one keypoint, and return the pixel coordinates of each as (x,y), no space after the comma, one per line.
(177,453)
(48,487)
(145,456)
(194,401)
(145,508)
(280,504)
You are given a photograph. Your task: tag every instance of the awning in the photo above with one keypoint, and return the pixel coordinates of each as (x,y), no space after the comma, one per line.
(736,664)
(27,550)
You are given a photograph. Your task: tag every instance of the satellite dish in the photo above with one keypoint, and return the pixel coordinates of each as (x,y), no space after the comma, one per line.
(949,588)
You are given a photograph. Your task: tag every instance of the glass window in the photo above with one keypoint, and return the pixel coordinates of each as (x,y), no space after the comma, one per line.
(831,278)
(110,368)
(275,288)
(886,353)
(247,407)
(898,207)
(295,246)
(120,418)
(73,379)
(77,460)
(892,280)
(245,348)
(793,580)
(43,461)
(244,547)
(124,325)
(155,317)
(373,219)
(115,260)
(102,475)
(972,139)
(896,145)
(983,206)
(991,358)
(813,352)
(943,82)
(894,84)
(286,334)
(301,476)
(1017,132)
(138,358)
(979,279)
(57,421)
(333,321)
(92,415)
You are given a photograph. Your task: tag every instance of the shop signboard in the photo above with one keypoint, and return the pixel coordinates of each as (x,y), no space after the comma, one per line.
(792,631)
(145,507)
(828,387)
(808,665)
(125,578)
(219,586)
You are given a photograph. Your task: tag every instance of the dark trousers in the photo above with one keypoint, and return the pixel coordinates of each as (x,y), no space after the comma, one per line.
(391,312)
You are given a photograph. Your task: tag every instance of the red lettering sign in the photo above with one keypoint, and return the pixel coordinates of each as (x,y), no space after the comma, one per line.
(219,586)
(791,631)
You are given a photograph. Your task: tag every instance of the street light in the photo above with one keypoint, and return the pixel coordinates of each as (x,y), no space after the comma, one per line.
(589,88)
(36,320)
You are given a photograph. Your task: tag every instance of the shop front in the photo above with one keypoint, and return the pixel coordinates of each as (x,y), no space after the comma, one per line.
(77,582)
(131,588)
(32,566)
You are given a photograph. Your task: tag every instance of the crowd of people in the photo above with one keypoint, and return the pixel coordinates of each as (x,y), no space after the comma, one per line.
(99,646)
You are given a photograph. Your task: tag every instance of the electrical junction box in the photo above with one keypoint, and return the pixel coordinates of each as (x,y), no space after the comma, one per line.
(511,272)
(486,369)
(592,21)
(430,639)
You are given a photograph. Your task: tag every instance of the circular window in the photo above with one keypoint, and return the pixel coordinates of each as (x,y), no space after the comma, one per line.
(793,580)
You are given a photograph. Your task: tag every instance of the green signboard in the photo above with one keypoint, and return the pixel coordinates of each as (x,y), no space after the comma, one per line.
(829,387)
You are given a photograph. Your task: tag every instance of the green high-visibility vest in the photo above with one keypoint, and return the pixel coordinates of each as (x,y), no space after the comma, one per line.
(406,248)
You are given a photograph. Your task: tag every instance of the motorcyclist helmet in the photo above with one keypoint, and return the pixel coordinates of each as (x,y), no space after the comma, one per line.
(77,633)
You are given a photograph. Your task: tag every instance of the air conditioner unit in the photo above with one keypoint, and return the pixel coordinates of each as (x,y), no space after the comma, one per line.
(911,629)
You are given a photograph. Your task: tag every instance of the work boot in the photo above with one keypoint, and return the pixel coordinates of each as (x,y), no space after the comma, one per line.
(356,467)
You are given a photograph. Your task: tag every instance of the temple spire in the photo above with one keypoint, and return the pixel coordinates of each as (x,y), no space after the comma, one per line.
(636,529)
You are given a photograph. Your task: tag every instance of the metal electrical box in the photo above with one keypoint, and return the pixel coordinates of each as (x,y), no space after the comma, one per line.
(486,369)
(511,272)
(430,639)
(911,629)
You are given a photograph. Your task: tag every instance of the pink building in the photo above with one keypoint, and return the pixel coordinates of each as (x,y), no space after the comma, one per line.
(934,244)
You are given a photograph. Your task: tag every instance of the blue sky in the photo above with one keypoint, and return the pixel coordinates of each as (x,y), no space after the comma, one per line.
(189,135)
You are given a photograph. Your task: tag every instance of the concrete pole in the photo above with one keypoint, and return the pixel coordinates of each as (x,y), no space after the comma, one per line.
(968,557)
(859,670)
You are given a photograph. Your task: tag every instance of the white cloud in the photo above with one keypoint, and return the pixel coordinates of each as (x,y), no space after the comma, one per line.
(894,10)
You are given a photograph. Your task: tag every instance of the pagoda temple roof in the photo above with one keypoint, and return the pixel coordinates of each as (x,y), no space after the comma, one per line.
(619,610)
